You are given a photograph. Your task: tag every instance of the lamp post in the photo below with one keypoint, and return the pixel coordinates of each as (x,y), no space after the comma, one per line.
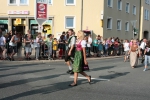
(133,22)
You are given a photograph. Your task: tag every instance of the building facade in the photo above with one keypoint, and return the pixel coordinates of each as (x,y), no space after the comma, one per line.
(108,18)
(145,19)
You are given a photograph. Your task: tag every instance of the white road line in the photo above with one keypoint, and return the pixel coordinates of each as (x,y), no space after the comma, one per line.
(100,79)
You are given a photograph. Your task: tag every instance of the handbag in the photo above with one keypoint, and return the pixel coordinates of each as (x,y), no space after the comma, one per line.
(85,68)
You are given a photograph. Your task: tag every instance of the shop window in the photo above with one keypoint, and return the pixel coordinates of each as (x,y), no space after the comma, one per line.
(12,2)
(69,22)
(70,2)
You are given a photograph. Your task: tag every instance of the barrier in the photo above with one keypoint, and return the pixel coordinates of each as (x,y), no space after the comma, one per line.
(46,52)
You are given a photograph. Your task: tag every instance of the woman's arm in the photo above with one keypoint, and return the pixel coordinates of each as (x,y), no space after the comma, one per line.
(12,39)
(84,55)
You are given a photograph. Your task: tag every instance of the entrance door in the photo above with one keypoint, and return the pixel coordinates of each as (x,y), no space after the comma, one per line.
(146,34)
(18,27)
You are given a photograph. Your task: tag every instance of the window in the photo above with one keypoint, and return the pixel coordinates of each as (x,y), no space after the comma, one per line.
(146,14)
(127,26)
(119,4)
(12,2)
(69,22)
(23,2)
(50,2)
(109,23)
(127,7)
(147,2)
(118,24)
(110,3)
(134,10)
(70,2)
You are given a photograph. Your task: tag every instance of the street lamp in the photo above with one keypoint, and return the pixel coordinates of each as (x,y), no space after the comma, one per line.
(133,23)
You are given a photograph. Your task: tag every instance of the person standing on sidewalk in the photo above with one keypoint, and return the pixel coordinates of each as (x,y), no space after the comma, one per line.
(147,55)
(28,41)
(2,45)
(13,45)
(89,43)
(71,50)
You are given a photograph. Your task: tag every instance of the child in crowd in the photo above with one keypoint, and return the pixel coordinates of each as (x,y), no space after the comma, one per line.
(100,49)
(55,46)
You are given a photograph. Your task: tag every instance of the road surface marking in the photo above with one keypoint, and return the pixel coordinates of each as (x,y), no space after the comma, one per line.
(100,79)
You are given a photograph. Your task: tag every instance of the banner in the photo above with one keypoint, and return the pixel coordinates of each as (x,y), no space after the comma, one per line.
(41,9)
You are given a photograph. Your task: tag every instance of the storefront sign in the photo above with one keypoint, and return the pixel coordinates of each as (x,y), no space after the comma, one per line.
(41,9)
(25,12)
(18,21)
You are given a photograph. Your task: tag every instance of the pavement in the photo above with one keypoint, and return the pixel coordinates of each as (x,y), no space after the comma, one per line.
(112,79)
(57,60)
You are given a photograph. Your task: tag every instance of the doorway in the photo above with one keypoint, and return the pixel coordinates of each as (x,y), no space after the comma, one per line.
(146,34)
(18,27)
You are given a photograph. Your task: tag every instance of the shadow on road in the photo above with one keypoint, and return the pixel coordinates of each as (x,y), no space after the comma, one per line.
(102,68)
(45,90)
(24,81)
(16,66)
(27,72)
(114,75)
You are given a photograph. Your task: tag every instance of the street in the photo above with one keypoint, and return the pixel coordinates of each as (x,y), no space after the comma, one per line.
(112,79)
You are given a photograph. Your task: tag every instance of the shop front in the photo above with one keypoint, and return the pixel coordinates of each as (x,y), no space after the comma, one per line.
(4,25)
(46,27)
(18,25)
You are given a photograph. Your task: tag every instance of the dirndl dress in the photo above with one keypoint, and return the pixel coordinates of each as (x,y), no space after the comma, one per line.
(78,59)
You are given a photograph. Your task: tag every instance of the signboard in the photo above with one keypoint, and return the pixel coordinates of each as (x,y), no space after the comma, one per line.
(21,12)
(41,9)
(18,21)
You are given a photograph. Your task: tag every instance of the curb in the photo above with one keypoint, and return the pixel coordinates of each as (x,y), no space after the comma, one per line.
(45,61)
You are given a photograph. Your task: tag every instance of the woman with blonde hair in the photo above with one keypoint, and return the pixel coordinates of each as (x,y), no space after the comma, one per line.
(134,54)
(80,58)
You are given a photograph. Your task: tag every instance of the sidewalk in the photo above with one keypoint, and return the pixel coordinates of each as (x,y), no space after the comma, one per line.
(57,60)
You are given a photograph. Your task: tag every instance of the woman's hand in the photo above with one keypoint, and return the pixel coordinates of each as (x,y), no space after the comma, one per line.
(85,62)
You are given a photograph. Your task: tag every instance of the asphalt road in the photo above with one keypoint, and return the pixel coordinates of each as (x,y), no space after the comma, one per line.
(112,79)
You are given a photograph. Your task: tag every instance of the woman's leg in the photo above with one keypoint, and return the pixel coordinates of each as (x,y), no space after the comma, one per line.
(146,60)
(84,74)
(75,78)
(37,52)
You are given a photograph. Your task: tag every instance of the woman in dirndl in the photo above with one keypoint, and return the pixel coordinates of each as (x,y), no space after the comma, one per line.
(80,58)
(134,54)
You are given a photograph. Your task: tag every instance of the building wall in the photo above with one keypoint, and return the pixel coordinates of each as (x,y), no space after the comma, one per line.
(115,14)
(145,24)
(57,12)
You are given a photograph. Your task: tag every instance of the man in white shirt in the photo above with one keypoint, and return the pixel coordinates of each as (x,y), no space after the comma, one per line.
(71,50)
(2,44)
(142,47)
(89,44)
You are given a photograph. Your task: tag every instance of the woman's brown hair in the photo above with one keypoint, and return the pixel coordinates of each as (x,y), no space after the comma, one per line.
(148,44)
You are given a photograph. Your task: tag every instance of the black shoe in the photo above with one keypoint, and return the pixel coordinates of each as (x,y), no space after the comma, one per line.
(72,84)
(69,71)
(90,80)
